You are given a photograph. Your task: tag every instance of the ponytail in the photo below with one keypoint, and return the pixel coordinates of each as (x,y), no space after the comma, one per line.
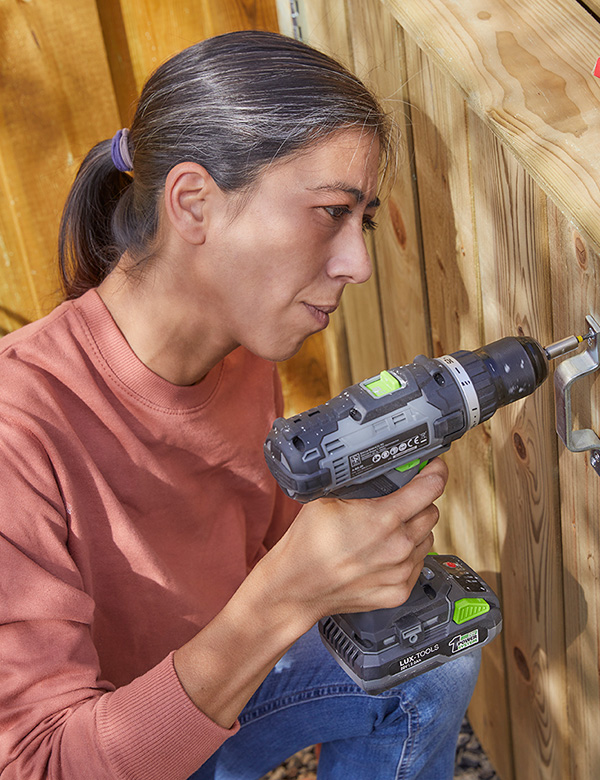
(87,250)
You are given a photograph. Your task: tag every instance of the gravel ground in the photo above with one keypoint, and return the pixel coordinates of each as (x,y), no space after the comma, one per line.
(471,761)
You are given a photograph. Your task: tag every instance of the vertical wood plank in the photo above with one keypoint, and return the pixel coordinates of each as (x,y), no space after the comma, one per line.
(468,525)
(512,236)
(326,28)
(354,339)
(118,53)
(378,53)
(46,130)
(444,185)
(575,267)
(155,31)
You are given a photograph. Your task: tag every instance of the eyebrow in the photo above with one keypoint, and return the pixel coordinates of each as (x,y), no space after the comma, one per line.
(357,194)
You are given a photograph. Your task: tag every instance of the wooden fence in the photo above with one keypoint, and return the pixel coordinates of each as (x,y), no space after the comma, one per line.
(492,228)
(70,72)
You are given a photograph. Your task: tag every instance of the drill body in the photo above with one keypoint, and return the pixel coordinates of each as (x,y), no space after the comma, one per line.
(374,438)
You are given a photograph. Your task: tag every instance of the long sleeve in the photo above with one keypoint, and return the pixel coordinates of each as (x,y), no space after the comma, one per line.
(58,718)
(131,510)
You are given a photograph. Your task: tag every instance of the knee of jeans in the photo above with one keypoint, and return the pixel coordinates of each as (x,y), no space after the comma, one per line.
(447,688)
(461,673)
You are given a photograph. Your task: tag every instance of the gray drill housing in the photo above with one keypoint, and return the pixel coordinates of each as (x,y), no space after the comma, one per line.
(352,446)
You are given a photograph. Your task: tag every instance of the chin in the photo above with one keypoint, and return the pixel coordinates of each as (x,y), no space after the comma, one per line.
(278,353)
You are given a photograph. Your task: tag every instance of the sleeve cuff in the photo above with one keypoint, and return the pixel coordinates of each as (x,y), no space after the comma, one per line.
(151,729)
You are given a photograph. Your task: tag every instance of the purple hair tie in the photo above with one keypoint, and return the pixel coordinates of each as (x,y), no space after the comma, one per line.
(119,151)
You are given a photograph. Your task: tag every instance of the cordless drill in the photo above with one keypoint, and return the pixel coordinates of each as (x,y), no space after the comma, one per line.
(374,438)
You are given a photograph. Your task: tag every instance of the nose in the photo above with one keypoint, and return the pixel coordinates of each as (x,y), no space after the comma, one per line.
(350,261)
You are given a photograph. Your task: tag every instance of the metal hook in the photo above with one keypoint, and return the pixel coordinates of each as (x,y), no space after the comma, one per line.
(568,372)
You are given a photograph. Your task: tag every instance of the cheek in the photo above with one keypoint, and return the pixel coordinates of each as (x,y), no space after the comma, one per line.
(273,261)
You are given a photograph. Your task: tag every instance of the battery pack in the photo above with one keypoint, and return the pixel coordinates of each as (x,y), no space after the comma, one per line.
(450,612)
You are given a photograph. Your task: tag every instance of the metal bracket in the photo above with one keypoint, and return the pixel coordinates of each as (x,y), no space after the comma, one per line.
(568,372)
(290,15)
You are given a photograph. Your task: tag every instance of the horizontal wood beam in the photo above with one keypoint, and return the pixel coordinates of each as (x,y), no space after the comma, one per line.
(525,67)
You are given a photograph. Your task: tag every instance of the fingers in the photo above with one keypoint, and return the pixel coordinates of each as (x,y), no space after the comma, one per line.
(400,580)
(421,491)
(361,554)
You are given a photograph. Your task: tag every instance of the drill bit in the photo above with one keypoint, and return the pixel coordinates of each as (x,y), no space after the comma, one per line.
(564,346)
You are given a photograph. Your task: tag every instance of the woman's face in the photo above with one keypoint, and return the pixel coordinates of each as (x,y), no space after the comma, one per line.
(280,265)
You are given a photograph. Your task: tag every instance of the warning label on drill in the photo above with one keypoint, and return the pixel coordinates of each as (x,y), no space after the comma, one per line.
(388,451)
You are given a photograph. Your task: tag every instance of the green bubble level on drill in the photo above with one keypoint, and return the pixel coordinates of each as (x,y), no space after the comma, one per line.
(384,384)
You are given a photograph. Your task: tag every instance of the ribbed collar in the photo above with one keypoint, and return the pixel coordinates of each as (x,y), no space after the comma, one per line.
(124,367)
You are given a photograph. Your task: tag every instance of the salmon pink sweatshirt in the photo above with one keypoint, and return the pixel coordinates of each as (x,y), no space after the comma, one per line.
(131,509)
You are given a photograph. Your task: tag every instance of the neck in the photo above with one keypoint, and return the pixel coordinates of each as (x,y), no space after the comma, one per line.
(166,326)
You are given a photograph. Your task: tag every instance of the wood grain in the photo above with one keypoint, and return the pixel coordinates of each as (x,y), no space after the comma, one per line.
(593,6)
(575,269)
(47,128)
(155,31)
(512,236)
(378,46)
(326,27)
(524,66)
(468,526)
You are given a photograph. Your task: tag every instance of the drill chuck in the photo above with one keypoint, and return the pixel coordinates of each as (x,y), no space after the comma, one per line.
(504,371)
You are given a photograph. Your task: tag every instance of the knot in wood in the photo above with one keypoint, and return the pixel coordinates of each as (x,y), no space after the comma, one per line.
(398,224)
(581,253)
(520,446)
(521,663)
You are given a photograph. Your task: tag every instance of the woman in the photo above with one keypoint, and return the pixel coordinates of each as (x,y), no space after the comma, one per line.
(152,575)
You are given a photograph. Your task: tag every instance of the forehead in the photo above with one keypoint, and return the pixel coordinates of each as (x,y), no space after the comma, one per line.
(347,161)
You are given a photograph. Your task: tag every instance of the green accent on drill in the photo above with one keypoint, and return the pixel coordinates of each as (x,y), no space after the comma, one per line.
(386,383)
(467,609)
(408,466)
(422,466)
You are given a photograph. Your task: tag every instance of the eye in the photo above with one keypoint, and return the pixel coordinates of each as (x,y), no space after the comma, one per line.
(368,224)
(337,212)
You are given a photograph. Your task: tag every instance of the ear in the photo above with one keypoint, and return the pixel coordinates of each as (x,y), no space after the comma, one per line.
(189,192)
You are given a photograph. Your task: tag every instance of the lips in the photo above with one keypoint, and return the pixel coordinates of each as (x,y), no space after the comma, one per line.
(321,313)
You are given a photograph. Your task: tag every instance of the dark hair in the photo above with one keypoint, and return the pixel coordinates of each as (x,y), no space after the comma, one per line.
(233,104)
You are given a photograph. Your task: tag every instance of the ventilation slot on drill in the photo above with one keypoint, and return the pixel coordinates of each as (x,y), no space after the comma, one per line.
(341,472)
(333,446)
(346,649)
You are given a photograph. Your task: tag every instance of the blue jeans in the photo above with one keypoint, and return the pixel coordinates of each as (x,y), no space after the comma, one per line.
(406,733)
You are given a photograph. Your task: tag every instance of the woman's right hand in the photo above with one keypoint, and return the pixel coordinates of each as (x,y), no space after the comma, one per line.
(337,556)
(356,555)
